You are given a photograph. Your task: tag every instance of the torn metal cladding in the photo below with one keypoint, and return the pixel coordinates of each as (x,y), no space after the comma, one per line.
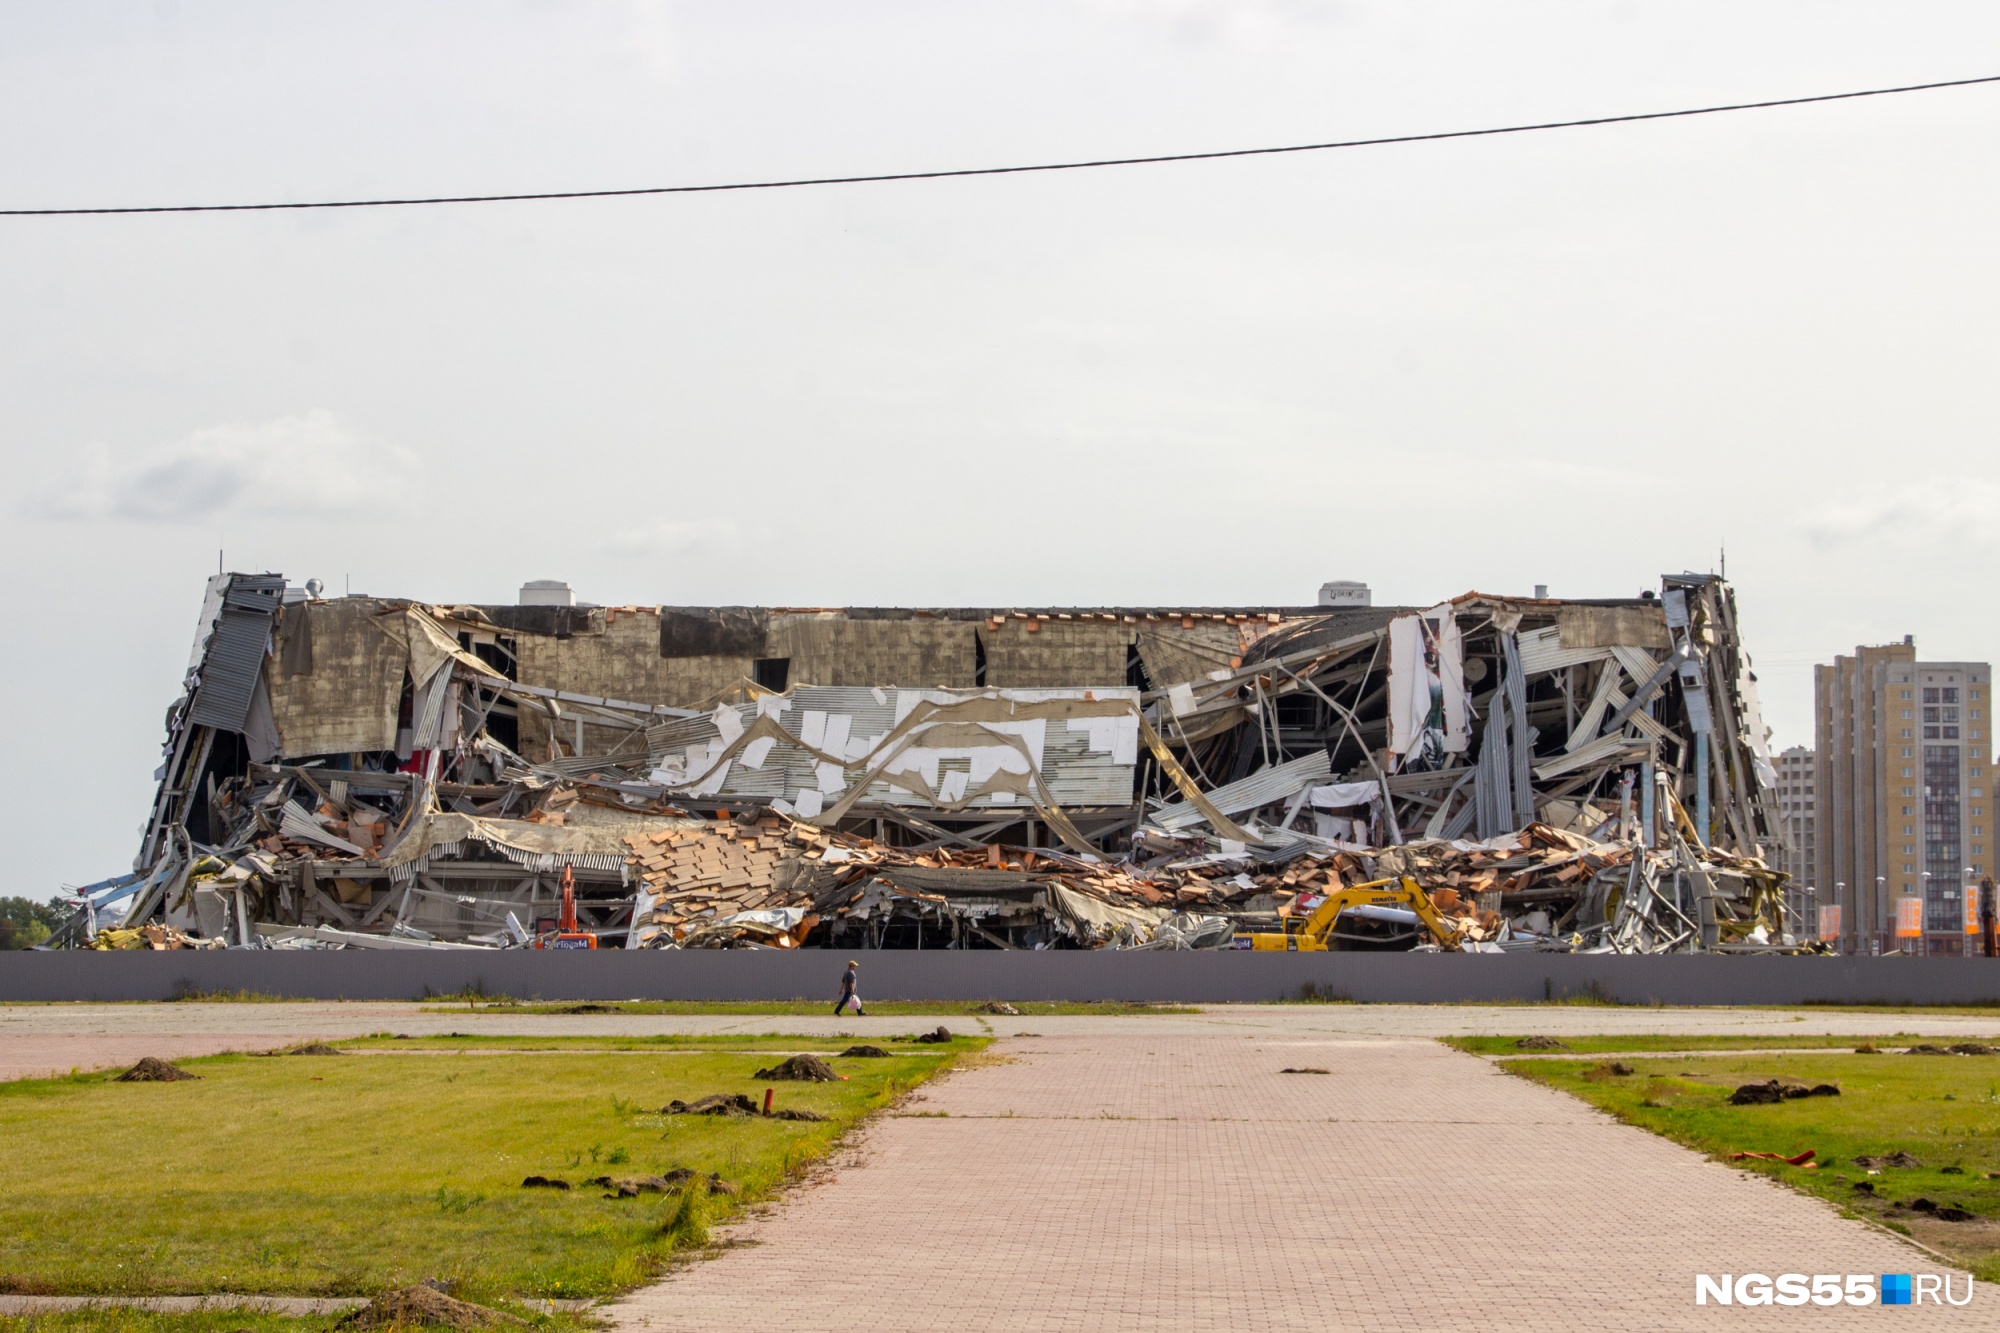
(379,773)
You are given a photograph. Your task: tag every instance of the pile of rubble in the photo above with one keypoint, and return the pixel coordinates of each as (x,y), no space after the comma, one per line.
(367,773)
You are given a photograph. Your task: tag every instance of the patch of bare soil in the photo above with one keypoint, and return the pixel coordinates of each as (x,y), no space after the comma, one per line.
(426,1307)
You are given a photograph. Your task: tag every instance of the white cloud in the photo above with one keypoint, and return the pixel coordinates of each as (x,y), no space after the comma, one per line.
(305,465)
(1959,509)
(669,537)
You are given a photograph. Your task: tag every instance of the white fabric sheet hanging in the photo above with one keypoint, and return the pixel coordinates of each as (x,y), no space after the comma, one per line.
(1428,713)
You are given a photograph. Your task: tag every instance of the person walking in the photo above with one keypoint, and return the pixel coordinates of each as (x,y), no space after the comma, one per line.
(847,992)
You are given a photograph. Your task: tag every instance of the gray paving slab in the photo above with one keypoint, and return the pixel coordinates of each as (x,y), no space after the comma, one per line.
(1181,1182)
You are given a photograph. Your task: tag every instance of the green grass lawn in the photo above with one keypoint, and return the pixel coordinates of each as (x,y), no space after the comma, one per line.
(663,1043)
(109,1320)
(1656,1041)
(353,1174)
(1944,1110)
(802,1008)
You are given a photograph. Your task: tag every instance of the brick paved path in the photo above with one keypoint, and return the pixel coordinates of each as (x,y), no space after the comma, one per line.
(1163,1182)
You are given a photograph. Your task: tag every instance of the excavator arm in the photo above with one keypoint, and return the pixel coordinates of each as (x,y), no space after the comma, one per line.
(1315,933)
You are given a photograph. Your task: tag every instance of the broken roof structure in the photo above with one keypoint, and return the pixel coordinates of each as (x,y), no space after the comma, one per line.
(378,772)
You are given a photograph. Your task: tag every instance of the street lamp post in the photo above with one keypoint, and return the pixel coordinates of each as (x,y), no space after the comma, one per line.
(1875,912)
(1968,896)
(1923,909)
(1840,896)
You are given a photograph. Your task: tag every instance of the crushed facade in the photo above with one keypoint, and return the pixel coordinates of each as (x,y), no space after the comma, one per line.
(383,773)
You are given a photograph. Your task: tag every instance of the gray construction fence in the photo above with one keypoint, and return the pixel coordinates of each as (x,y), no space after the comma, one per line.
(1206,976)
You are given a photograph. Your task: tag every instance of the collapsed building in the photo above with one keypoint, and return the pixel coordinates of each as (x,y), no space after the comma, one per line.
(367,772)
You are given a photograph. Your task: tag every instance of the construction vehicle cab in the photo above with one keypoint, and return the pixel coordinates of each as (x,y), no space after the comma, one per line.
(1400,901)
(566,935)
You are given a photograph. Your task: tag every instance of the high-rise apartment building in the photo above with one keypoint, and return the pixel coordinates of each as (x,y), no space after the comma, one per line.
(1903,751)
(1798,780)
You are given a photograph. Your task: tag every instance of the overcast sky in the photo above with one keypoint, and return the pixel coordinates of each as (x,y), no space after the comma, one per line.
(1579,358)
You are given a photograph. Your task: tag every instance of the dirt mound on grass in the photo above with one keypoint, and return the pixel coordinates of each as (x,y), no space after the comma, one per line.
(716,1103)
(864,1053)
(1899,1159)
(1539,1043)
(1777,1090)
(800,1069)
(316,1048)
(1305,1069)
(942,1035)
(150,1070)
(426,1307)
(588,1009)
(1962,1048)
(997,1007)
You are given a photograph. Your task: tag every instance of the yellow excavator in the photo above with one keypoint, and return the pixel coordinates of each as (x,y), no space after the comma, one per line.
(1401,901)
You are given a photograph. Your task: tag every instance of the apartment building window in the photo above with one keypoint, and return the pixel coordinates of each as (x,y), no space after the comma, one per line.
(1930,694)
(1951,733)
(1942,835)
(1972,693)
(1906,715)
(1906,749)
(1907,773)
(1951,694)
(1906,736)
(1909,791)
(1972,715)
(1931,714)
(1931,733)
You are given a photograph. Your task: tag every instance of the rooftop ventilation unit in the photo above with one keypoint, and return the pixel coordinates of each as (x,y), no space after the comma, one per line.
(547,592)
(1344,592)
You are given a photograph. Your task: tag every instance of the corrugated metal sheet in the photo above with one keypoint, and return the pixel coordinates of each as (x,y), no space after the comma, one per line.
(1603,748)
(1259,789)
(1516,687)
(1542,650)
(236,651)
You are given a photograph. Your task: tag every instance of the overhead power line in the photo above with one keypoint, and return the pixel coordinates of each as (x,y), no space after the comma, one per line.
(884,177)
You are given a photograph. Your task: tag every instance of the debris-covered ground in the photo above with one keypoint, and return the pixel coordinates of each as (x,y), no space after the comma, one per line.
(377,773)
